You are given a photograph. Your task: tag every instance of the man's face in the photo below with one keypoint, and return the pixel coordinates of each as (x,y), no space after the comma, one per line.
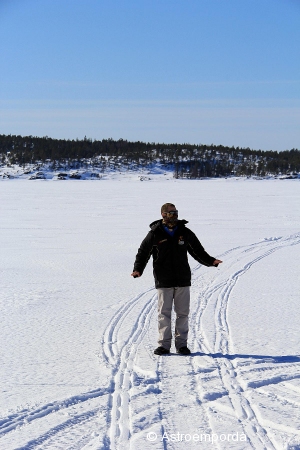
(170,217)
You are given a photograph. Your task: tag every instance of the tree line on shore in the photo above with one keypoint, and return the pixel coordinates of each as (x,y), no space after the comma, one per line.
(185,160)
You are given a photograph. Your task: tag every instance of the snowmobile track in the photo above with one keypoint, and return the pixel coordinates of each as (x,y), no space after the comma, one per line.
(138,394)
(221,290)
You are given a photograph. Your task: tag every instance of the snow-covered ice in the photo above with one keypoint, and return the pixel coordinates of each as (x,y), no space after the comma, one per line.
(78,333)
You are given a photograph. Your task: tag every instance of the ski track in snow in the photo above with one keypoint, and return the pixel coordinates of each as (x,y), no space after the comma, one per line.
(223,392)
(234,388)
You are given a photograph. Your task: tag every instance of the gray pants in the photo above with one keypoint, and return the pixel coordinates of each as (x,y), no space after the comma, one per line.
(181,298)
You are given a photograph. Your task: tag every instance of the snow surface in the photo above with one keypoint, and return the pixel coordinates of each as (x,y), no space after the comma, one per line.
(78,333)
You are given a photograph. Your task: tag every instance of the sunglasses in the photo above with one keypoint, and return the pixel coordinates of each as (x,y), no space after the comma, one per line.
(175,212)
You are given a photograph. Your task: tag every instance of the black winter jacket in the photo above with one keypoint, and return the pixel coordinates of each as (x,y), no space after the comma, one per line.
(170,260)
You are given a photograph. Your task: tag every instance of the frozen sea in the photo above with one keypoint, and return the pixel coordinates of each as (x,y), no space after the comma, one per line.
(78,333)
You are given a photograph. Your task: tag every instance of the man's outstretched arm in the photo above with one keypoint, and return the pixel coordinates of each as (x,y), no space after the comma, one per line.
(143,255)
(197,251)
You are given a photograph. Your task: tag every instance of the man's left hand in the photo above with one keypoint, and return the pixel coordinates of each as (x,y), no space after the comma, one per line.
(217,262)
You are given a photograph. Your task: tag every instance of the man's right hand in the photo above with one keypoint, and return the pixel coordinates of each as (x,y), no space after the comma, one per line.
(135,274)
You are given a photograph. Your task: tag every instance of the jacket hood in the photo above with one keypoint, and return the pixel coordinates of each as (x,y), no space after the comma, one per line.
(157,223)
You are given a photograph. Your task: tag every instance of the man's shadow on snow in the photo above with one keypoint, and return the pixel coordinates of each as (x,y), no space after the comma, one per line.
(264,358)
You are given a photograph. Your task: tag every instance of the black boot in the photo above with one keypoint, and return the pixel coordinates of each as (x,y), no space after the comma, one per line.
(161,351)
(183,351)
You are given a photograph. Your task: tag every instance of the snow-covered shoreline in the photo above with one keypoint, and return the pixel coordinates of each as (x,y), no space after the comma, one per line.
(152,173)
(130,175)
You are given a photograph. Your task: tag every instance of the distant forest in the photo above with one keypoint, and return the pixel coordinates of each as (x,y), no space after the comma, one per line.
(185,160)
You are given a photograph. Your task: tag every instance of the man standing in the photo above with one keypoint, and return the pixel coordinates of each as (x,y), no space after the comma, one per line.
(168,242)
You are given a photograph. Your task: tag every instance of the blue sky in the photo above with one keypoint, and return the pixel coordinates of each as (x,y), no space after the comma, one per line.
(198,71)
